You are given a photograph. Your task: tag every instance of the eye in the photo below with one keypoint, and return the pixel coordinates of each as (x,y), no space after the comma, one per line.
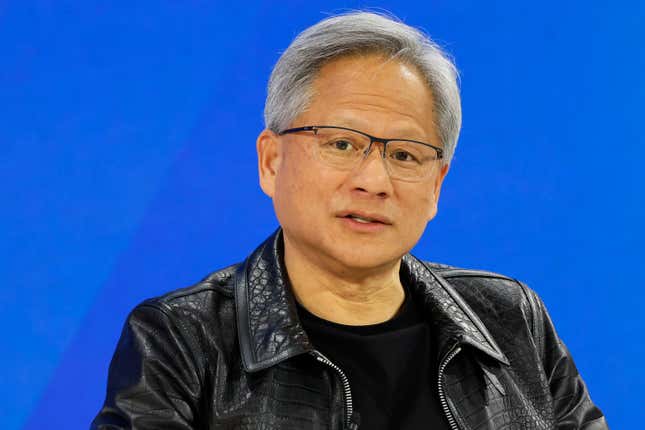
(342,145)
(401,155)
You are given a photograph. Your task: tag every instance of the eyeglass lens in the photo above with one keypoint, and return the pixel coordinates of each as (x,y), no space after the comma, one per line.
(345,149)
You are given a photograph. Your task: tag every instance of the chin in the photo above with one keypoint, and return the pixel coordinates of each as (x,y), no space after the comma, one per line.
(360,258)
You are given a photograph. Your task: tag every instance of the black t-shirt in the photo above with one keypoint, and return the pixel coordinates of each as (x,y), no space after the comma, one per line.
(391,367)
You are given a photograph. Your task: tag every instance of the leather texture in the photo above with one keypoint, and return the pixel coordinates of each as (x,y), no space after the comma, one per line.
(230,353)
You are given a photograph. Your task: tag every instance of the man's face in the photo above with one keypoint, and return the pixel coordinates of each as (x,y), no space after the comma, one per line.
(384,98)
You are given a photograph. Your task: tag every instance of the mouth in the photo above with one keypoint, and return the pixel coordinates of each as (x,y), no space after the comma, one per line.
(364,218)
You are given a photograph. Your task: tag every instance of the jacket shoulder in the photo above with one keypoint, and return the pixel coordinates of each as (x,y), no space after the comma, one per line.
(204,314)
(507,307)
(201,304)
(217,282)
(448,271)
(484,289)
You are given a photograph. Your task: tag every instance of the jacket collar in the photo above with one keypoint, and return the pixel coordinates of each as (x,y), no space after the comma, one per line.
(269,330)
(453,319)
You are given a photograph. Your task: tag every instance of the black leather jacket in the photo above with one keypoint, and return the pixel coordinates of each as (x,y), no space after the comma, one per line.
(230,353)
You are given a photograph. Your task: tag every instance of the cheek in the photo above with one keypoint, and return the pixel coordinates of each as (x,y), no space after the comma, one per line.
(425,208)
(418,209)
(297,187)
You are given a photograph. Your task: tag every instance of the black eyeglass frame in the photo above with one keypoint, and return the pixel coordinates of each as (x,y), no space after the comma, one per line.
(372,139)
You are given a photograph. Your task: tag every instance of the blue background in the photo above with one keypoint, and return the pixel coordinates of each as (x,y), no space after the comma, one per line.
(127,168)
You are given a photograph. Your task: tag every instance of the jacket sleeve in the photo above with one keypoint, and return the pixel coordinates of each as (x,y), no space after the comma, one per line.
(572,405)
(153,381)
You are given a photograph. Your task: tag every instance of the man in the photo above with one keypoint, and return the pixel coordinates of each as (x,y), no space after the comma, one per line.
(330,323)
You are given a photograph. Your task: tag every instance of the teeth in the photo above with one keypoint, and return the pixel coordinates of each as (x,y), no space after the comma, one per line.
(359,219)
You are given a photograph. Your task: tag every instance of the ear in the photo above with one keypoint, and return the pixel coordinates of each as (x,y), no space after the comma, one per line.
(269,158)
(436,190)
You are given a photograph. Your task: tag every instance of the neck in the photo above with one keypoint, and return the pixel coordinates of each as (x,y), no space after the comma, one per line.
(360,297)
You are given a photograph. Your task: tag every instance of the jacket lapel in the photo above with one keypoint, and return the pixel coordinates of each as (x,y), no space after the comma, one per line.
(267,320)
(269,330)
(454,321)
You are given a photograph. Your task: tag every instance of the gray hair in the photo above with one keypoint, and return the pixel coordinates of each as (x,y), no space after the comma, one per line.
(356,33)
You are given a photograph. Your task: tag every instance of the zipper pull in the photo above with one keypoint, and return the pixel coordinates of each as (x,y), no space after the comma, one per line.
(354,421)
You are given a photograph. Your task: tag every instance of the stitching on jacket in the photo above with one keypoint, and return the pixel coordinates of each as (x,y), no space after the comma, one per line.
(199,288)
(536,325)
(454,273)
(209,283)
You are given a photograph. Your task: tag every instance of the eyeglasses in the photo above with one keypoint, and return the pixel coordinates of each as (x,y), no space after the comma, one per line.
(345,148)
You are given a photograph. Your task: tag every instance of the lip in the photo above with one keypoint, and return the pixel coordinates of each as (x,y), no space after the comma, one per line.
(376,218)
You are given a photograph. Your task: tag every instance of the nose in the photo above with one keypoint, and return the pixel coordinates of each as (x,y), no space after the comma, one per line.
(371,174)
(371,146)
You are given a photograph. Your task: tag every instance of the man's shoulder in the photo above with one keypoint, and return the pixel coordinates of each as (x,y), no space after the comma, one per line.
(199,297)
(483,286)
(197,321)
(505,305)
(449,271)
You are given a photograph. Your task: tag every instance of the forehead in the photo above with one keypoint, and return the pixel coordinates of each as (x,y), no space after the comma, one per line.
(383,94)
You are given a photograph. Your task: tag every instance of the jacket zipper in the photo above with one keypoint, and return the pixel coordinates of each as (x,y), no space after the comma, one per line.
(349,408)
(442,395)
